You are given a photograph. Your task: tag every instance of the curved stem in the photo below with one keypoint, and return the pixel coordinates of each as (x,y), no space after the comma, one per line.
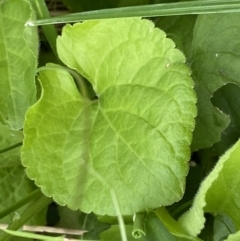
(119,215)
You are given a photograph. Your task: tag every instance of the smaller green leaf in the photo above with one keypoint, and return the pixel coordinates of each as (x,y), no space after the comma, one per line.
(214,64)
(18,48)
(227,99)
(218,194)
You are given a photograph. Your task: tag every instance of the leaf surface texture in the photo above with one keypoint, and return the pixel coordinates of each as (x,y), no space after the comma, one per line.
(18,61)
(133,139)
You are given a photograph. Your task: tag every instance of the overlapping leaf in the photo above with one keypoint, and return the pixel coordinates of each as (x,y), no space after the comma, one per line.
(134,139)
(218,194)
(216,62)
(18,61)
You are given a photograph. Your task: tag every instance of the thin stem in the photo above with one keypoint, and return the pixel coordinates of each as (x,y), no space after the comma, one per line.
(32,209)
(152,10)
(49,31)
(9,148)
(119,215)
(33,195)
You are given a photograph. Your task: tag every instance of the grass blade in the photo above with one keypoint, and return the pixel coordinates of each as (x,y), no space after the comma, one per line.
(166,9)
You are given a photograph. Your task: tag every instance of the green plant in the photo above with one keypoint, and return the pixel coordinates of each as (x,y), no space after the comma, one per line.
(131,122)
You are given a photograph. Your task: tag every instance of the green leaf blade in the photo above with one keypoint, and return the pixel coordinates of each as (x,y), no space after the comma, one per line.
(218,194)
(19,48)
(139,130)
(216,59)
(69,102)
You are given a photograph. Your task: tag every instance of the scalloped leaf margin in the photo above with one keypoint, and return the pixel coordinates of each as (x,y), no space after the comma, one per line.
(134,139)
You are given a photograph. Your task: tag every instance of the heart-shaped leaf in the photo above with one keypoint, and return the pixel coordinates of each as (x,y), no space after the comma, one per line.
(134,139)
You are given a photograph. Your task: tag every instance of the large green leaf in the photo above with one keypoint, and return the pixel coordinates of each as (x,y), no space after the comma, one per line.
(134,139)
(218,194)
(18,61)
(216,62)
